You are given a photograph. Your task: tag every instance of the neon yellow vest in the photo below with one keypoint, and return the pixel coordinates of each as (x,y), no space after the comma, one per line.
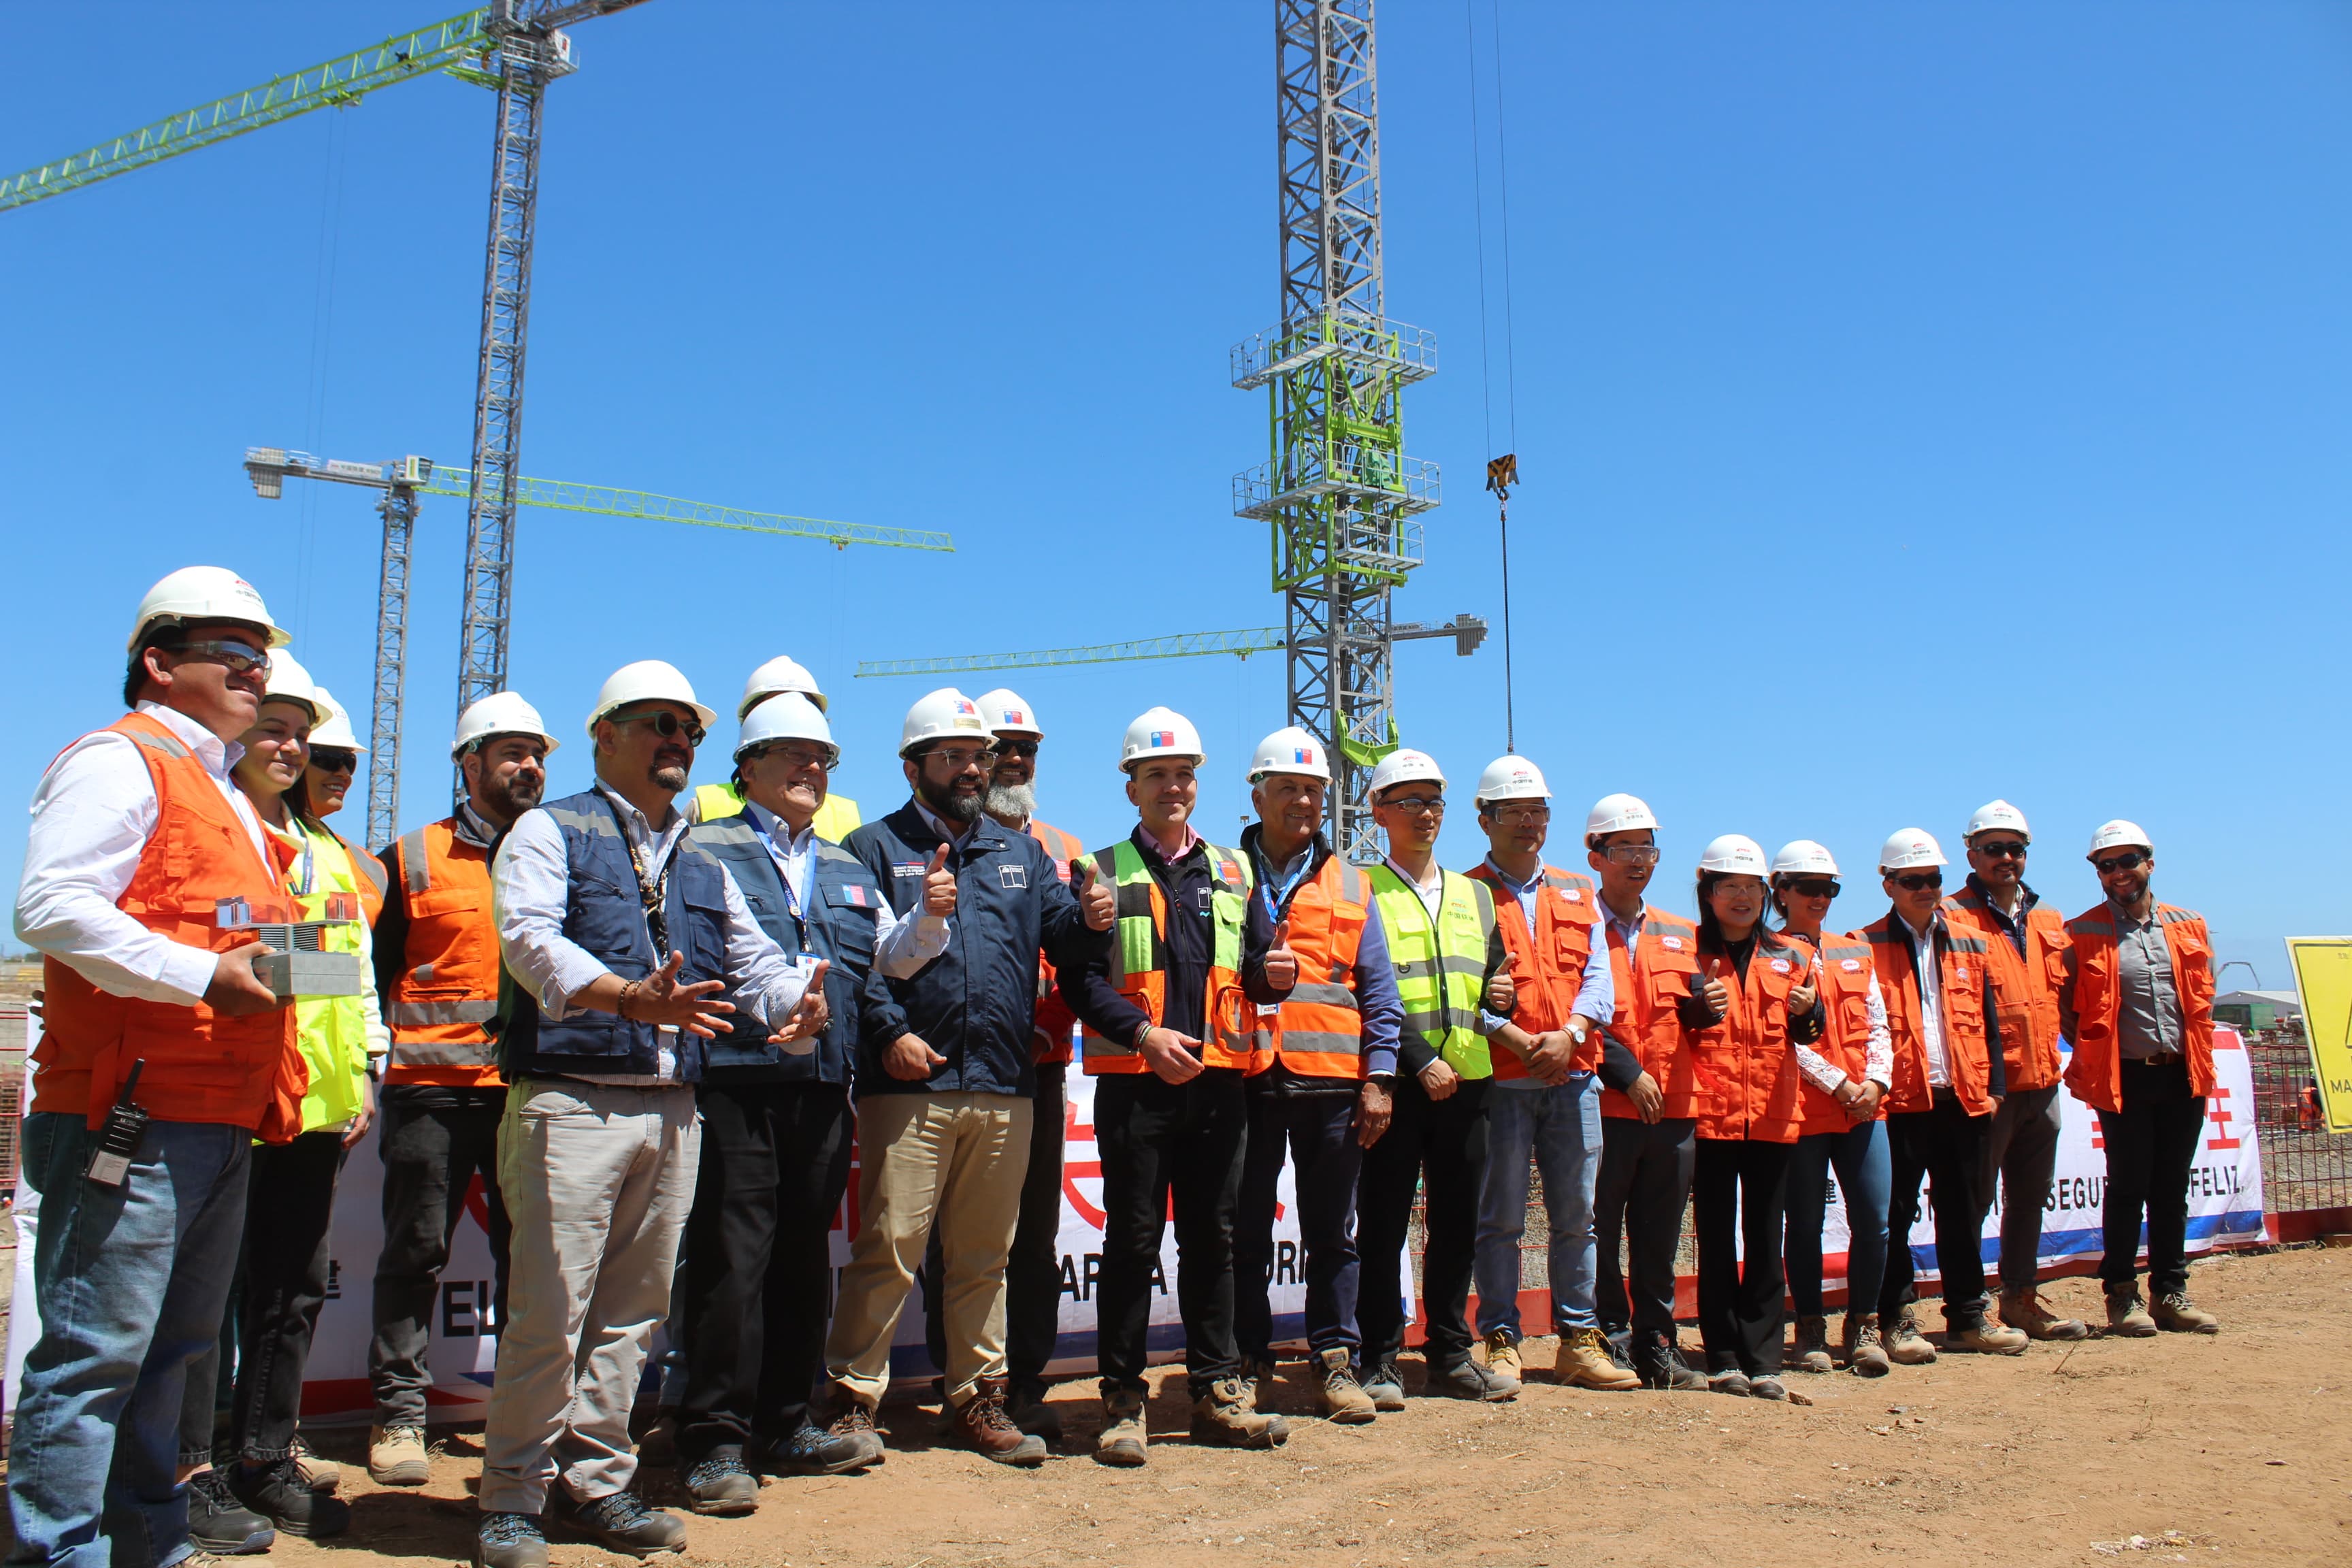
(1441,972)
(331,1031)
(835,820)
(1139,957)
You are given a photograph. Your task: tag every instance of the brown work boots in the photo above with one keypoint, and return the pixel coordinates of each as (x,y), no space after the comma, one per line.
(1345,1403)
(1585,1361)
(982,1425)
(1122,1441)
(2024,1310)
(1866,1352)
(2175,1314)
(1222,1418)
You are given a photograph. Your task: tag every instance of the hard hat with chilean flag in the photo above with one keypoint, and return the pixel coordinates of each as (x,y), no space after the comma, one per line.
(1290,749)
(1006,714)
(1160,732)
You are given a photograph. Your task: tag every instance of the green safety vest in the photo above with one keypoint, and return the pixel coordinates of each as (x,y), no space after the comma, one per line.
(1139,957)
(835,820)
(329,1031)
(1440,972)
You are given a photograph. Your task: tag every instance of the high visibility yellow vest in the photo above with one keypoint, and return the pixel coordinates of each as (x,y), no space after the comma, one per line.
(329,1031)
(1441,969)
(837,819)
(1138,960)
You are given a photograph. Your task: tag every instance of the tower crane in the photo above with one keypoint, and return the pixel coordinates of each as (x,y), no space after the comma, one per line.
(1467,631)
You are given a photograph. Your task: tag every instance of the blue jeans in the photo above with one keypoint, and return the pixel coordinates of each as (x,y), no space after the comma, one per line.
(132,1282)
(1865,1175)
(1562,1127)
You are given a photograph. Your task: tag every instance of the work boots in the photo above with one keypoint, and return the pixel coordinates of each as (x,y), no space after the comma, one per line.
(1585,1361)
(1344,1400)
(1222,1418)
(1122,1440)
(1906,1346)
(2176,1315)
(398,1457)
(853,1420)
(1985,1337)
(618,1521)
(982,1425)
(1031,1413)
(1504,1370)
(2024,1310)
(1386,1386)
(1813,1345)
(1865,1354)
(1658,1362)
(2126,1315)
(721,1484)
(1257,1382)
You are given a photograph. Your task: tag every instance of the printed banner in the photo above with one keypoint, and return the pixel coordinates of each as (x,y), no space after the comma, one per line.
(2322,980)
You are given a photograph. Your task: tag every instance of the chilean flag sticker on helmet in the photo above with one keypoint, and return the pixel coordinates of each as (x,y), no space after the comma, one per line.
(1014,719)
(1163,738)
(965,705)
(1304,754)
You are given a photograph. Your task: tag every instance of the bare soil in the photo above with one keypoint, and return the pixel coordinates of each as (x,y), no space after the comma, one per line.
(2230,1449)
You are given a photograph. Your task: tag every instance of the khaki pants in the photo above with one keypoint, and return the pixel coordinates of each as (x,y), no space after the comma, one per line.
(956,1158)
(597,1179)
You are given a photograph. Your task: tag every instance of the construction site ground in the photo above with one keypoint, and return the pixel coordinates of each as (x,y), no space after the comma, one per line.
(2230,1449)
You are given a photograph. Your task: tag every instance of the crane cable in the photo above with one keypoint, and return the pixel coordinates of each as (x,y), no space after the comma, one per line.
(1502,472)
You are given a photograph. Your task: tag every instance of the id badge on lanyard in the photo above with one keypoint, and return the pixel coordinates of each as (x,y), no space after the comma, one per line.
(784,874)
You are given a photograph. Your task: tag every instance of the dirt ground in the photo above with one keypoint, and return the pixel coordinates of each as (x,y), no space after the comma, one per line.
(2235,1449)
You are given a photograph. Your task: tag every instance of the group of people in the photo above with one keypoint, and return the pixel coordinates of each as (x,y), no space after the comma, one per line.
(656,1025)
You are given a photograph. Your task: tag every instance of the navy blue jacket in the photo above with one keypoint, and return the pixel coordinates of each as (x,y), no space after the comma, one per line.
(975,1004)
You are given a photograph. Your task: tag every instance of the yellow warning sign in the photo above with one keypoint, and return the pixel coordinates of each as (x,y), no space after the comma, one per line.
(2323,979)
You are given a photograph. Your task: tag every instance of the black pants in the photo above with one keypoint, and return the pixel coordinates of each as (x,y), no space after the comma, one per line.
(1740,1185)
(1945,1145)
(1646,1168)
(433,1141)
(1318,1132)
(1440,1146)
(273,1309)
(1033,1270)
(759,1269)
(1162,1142)
(2152,1144)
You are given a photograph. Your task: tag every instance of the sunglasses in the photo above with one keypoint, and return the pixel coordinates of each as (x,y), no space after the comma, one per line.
(333,760)
(2130,860)
(666,724)
(237,658)
(1915,880)
(1016,748)
(1815,886)
(2004,850)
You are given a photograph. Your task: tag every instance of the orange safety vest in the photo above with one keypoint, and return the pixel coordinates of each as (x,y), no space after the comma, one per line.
(1841,972)
(1546,964)
(1054,1019)
(1650,981)
(1746,1065)
(1319,1031)
(441,1007)
(2025,986)
(1138,959)
(2096,1075)
(1959,1010)
(201,1066)
(371,878)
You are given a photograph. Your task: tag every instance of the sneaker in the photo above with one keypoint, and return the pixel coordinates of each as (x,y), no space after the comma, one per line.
(1026,1405)
(398,1457)
(982,1425)
(1906,1346)
(1767,1387)
(2176,1315)
(1732,1381)
(1585,1362)
(1658,1361)
(1465,1379)
(1257,1382)
(719,1484)
(1985,1337)
(1504,1368)
(1865,1354)
(1386,1386)
(620,1521)
(1344,1400)
(320,1475)
(279,1494)
(853,1417)
(1122,1440)
(814,1451)
(509,1540)
(1813,1345)
(219,1522)
(2024,1310)
(1222,1419)
(2126,1316)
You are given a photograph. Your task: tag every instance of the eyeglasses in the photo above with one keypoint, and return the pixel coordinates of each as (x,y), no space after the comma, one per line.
(1914,881)
(1815,886)
(237,658)
(1633,854)
(666,724)
(2130,860)
(1415,805)
(2004,850)
(959,758)
(797,756)
(1016,748)
(1522,814)
(334,760)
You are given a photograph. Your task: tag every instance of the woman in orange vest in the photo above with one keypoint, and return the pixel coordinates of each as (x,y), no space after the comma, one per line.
(1742,1023)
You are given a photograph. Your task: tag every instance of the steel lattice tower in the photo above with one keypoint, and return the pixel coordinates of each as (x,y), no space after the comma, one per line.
(398,510)
(1338,490)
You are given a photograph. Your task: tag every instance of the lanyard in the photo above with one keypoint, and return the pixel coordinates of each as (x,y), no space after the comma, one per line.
(309,863)
(1278,896)
(793,905)
(654,891)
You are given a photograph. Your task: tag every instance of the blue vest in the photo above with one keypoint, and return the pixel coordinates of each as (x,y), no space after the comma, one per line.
(604,914)
(844,907)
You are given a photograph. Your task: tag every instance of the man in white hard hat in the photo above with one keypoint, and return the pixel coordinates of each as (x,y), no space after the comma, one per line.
(617,932)
(1454,980)
(947,1078)
(144,865)
(838,817)
(1169,1011)
(1545,1100)
(2028,970)
(2139,1005)
(1936,978)
(1322,1088)
(438,969)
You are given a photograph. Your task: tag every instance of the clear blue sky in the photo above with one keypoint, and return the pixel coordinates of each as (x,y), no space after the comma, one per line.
(1916,403)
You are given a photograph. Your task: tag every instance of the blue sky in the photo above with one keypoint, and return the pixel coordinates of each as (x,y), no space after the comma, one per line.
(1915,402)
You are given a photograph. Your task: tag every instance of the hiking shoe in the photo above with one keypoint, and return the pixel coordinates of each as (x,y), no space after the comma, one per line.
(1865,1354)
(1386,1386)
(1122,1440)
(2126,1316)
(279,1494)
(813,1451)
(1985,1337)
(320,1475)
(1585,1362)
(721,1485)
(1257,1382)
(1026,1405)
(219,1522)
(1732,1381)
(398,1457)
(2024,1310)
(1345,1403)
(509,1540)
(2175,1314)
(620,1521)
(1620,1346)
(982,1425)
(1813,1345)
(1906,1346)
(853,1417)
(1504,1367)
(1222,1418)
(1767,1387)
(1658,1361)
(1465,1379)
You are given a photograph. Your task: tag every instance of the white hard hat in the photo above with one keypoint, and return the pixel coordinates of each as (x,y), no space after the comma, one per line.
(1008,715)
(1159,732)
(1512,777)
(1733,854)
(1619,814)
(290,682)
(499,713)
(1290,749)
(787,716)
(1803,858)
(647,681)
(334,729)
(778,674)
(1996,814)
(2117,834)
(1910,849)
(204,594)
(946,714)
(1405,765)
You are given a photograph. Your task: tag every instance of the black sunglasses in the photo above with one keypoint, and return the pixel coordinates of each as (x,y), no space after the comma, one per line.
(2130,860)
(334,760)
(2005,848)
(1915,880)
(666,724)
(1016,748)
(1816,886)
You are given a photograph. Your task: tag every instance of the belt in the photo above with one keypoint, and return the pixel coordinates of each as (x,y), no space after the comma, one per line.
(2160,1059)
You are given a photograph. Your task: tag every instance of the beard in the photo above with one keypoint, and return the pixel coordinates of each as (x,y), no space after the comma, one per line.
(1012,804)
(512,796)
(671,778)
(948,803)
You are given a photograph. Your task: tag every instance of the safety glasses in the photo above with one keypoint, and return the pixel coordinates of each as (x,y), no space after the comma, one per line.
(1815,886)
(1415,804)
(237,658)
(1914,881)
(334,760)
(2002,849)
(2130,860)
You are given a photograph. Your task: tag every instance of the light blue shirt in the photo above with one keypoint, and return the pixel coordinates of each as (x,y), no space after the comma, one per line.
(1596,994)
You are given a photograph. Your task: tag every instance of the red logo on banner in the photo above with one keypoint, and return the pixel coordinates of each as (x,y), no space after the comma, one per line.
(2218,1114)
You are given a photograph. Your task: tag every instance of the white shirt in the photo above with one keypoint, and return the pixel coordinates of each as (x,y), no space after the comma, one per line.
(902,944)
(1433,892)
(1931,1017)
(528,898)
(1596,992)
(92,815)
(1878,1057)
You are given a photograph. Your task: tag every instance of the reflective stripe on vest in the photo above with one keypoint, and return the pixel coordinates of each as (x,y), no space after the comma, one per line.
(1318,1030)
(1441,972)
(1959,1015)
(2095,1074)
(329,1031)
(447,996)
(1139,957)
